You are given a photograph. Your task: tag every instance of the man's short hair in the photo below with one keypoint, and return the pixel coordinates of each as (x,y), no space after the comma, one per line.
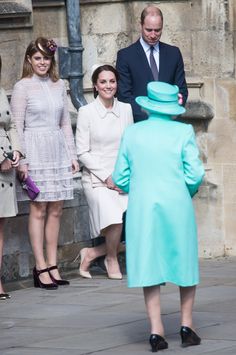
(150,10)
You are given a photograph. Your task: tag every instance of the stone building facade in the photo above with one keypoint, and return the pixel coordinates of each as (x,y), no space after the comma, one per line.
(205,32)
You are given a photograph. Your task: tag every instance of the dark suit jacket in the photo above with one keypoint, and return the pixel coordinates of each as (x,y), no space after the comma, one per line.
(135,73)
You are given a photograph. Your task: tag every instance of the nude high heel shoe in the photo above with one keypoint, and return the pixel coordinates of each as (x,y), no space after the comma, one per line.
(114,276)
(81,256)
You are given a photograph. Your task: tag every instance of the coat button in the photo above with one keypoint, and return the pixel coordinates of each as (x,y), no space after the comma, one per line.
(2,185)
(11,184)
(8,112)
(10,147)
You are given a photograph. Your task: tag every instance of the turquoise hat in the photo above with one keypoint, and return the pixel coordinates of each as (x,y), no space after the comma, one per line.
(162,98)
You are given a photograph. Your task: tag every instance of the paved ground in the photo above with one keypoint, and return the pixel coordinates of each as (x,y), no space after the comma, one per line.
(102,316)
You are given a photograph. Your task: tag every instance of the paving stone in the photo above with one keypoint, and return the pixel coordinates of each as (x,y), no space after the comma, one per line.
(104,317)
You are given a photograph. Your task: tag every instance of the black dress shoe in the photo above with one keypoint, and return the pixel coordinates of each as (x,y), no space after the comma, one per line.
(189,337)
(39,283)
(4,296)
(58,282)
(157,342)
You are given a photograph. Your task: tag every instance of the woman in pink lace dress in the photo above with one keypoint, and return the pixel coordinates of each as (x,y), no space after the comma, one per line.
(40,110)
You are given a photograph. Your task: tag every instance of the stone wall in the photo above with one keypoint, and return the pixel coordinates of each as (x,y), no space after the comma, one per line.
(205,32)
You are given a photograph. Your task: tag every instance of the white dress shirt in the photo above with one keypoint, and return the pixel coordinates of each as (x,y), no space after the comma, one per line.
(146,48)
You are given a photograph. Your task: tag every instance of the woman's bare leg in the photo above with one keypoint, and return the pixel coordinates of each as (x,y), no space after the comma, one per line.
(52,228)
(187,296)
(153,308)
(36,232)
(1,250)
(112,235)
(112,243)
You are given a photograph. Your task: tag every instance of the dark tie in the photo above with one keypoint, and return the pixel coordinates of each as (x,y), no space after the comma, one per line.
(153,64)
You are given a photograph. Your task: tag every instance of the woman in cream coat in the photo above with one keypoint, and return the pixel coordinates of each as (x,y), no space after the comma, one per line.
(99,130)
(8,144)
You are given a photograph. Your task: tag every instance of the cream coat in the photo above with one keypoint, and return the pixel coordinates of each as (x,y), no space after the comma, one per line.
(8,142)
(98,138)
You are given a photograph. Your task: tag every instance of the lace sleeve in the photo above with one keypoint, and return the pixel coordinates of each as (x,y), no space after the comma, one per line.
(18,110)
(66,126)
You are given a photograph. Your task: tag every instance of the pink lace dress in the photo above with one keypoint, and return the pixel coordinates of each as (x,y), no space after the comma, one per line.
(40,110)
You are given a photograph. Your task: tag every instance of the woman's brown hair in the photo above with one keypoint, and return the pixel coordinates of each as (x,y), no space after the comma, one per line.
(47,48)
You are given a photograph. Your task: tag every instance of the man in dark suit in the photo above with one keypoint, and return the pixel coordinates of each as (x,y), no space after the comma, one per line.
(149,59)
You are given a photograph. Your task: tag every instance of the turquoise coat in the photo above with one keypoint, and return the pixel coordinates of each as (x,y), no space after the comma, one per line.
(158,165)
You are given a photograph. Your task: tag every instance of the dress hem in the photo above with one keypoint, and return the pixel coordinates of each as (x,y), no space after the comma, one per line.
(53,200)
(163,283)
(100,234)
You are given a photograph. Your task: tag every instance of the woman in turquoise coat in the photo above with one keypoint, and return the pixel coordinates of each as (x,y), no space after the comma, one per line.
(159,166)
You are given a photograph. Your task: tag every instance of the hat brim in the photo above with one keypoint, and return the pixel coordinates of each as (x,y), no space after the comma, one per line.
(159,107)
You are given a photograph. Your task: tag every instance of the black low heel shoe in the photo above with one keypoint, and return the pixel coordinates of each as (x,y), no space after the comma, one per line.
(58,282)
(38,283)
(4,296)
(189,337)
(157,343)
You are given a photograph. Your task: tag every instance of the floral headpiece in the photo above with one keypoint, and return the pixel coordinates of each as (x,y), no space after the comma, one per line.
(51,45)
(46,47)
